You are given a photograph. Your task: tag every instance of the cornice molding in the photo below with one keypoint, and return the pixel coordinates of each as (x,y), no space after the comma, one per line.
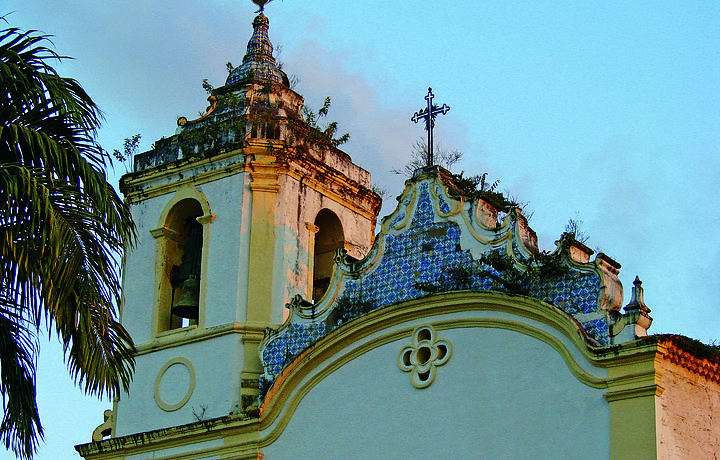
(241,429)
(137,193)
(257,160)
(184,336)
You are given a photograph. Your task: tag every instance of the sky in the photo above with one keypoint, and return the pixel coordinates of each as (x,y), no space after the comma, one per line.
(604,112)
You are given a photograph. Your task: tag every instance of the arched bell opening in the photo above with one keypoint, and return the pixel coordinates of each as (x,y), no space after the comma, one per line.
(328,239)
(180,305)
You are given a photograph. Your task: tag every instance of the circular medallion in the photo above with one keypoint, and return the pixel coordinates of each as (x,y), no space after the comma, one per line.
(174,384)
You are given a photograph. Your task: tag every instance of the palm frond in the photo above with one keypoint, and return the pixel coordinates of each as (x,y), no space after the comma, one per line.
(20,428)
(63,229)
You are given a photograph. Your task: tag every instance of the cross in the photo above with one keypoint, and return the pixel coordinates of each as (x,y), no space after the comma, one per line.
(429,114)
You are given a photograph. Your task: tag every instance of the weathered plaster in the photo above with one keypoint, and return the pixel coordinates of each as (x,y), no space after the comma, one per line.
(688,415)
(255,258)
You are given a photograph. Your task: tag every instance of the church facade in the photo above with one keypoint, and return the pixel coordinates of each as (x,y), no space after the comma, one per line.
(269,322)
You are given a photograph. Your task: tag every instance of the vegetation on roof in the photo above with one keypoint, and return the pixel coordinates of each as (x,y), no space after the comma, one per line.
(478,186)
(700,350)
(419,158)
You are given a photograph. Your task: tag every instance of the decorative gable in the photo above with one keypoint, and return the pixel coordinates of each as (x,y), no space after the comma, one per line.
(439,241)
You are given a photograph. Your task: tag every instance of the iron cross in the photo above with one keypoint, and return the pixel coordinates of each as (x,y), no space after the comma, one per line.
(429,114)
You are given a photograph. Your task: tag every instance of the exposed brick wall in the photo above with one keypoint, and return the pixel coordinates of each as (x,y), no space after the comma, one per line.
(688,415)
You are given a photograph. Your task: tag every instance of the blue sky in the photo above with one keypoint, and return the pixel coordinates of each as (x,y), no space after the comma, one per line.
(609,111)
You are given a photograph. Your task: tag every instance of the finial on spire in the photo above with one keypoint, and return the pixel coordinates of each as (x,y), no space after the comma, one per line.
(258,63)
(637,301)
(261,4)
(428,114)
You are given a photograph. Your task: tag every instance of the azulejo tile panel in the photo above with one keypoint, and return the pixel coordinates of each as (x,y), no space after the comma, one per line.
(430,254)
(289,344)
(443,205)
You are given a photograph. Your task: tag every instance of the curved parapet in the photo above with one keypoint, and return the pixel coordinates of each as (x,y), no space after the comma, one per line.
(437,241)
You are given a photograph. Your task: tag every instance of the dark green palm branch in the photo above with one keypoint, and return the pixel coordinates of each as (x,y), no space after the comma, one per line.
(62,229)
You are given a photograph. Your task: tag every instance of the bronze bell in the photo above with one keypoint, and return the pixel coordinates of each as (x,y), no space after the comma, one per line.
(188,305)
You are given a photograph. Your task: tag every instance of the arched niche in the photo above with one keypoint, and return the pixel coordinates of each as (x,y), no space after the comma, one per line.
(181,254)
(328,239)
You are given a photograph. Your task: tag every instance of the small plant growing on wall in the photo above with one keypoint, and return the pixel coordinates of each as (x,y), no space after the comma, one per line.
(456,277)
(130,148)
(348,308)
(315,134)
(506,275)
(419,156)
(478,186)
(199,413)
(502,269)
(574,227)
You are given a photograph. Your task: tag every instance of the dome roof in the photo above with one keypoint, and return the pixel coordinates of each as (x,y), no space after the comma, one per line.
(258,63)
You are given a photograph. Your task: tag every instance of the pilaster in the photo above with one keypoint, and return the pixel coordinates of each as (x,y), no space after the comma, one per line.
(312,230)
(264,186)
(633,386)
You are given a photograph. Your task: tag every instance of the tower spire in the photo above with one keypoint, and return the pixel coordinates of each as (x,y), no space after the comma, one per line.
(258,63)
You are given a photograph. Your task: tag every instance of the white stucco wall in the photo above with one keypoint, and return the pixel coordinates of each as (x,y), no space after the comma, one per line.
(139,271)
(297,205)
(228,249)
(216,392)
(180,451)
(501,395)
(228,252)
(217,387)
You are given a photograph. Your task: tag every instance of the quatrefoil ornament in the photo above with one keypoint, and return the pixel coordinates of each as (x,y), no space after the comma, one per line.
(422,357)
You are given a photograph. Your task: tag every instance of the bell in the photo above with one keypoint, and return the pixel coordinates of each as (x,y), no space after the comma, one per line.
(188,304)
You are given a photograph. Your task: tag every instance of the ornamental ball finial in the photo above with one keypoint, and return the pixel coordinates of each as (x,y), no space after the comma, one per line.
(261,4)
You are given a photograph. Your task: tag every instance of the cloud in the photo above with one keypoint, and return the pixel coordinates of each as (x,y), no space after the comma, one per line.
(381,136)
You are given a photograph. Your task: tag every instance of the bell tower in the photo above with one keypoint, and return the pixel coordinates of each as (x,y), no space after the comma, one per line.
(237,213)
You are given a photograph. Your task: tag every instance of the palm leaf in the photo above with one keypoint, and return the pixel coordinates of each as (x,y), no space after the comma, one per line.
(63,229)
